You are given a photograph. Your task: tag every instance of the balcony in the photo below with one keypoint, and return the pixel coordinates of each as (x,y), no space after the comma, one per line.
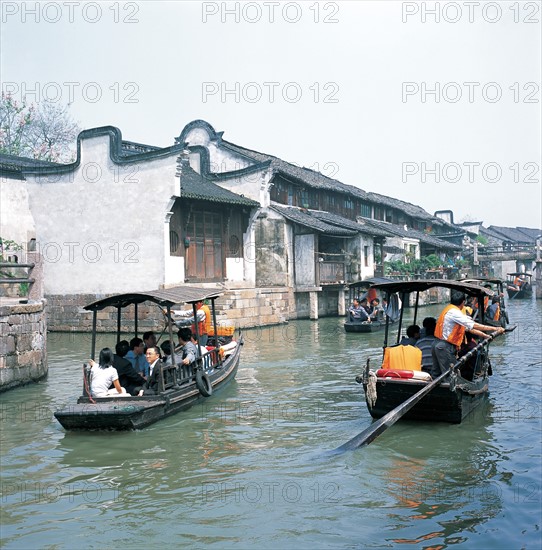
(331,273)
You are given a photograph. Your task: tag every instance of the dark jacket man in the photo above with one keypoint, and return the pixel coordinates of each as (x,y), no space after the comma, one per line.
(152,384)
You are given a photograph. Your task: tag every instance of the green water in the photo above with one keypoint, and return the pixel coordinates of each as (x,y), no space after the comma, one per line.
(248,468)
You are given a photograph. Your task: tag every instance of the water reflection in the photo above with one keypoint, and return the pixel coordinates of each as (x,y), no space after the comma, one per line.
(246,467)
(450,486)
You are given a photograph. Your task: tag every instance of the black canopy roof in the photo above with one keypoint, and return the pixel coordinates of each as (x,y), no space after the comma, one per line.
(370,282)
(164,298)
(482,280)
(518,274)
(425,284)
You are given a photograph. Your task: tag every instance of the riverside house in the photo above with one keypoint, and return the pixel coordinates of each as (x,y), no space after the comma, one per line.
(281,241)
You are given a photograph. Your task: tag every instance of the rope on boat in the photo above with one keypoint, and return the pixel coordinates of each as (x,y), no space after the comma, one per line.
(370,392)
(85,379)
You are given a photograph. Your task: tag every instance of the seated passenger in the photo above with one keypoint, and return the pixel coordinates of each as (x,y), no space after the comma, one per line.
(136,356)
(426,343)
(128,377)
(356,312)
(155,364)
(149,339)
(494,310)
(103,375)
(166,352)
(413,335)
(365,305)
(188,349)
(377,311)
(207,358)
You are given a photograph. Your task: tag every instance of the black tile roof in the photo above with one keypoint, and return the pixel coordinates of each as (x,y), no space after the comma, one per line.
(399,231)
(195,186)
(13,166)
(320,181)
(307,219)
(129,148)
(532,234)
(511,234)
(360,227)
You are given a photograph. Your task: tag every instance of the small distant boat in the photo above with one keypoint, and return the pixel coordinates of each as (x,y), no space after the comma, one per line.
(364,326)
(450,401)
(519,286)
(179,389)
(361,289)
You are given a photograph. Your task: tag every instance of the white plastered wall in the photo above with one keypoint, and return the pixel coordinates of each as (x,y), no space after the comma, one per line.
(103,226)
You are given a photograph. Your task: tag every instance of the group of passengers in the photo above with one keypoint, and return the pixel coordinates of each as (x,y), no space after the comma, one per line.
(444,340)
(361,311)
(134,368)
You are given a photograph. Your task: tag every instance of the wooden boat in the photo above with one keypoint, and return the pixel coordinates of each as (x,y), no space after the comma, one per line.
(364,326)
(179,388)
(497,286)
(519,286)
(452,400)
(357,290)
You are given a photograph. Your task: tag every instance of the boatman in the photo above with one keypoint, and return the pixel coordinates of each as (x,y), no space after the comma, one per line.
(450,333)
(203,318)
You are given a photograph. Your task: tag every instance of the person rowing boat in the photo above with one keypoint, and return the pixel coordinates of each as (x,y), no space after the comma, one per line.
(450,333)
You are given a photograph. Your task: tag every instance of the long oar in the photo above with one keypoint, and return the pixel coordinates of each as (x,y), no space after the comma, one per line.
(381,425)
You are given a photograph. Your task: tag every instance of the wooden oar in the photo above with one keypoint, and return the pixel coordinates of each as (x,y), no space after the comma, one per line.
(382,424)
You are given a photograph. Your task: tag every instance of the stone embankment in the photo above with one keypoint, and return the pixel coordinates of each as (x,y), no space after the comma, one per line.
(23,342)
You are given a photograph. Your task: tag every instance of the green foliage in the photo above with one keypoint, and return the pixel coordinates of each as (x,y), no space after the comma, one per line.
(7,245)
(482,240)
(23,289)
(413,266)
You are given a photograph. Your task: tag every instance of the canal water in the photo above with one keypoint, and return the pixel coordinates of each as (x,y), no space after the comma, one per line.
(249,469)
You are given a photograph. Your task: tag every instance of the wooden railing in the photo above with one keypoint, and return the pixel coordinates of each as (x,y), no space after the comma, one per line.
(9,280)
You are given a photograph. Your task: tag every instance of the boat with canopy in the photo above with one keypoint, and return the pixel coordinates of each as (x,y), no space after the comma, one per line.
(178,388)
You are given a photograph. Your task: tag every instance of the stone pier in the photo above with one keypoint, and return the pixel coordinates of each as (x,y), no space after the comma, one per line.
(23,342)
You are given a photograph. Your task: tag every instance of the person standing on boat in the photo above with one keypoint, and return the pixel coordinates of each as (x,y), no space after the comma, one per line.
(103,374)
(450,333)
(203,317)
(155,366)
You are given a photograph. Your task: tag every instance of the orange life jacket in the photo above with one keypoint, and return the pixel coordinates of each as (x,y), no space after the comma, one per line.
(497,315)
(205,325)
(458,332)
